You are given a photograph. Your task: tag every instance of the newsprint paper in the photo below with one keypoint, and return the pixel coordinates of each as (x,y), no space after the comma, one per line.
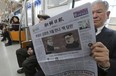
(62,43)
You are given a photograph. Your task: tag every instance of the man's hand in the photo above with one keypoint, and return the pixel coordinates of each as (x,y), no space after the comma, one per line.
(101,54)
(30,51)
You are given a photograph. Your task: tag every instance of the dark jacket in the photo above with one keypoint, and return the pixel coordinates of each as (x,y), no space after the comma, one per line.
(108,38)
(15,26)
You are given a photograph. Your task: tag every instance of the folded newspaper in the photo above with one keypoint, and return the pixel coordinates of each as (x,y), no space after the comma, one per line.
(62,42)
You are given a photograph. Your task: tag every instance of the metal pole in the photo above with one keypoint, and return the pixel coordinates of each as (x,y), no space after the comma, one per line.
(33,13)
(24,12)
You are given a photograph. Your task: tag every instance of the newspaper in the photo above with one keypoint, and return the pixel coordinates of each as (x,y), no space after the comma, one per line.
(62,43)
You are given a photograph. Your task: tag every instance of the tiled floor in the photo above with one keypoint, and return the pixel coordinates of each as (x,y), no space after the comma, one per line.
(8,61)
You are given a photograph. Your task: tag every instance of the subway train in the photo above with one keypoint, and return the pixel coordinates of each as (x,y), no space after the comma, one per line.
(43,37)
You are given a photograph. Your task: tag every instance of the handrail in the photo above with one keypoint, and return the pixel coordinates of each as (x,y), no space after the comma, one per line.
(73,3)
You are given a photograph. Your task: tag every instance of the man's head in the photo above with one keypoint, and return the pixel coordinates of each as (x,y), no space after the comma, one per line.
(69,38)
(42,17)
(50,41)
(100,12)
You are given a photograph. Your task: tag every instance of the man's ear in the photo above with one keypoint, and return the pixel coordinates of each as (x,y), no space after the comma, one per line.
(108,14)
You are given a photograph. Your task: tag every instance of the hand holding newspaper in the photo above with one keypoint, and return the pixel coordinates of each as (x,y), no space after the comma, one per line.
(61,43)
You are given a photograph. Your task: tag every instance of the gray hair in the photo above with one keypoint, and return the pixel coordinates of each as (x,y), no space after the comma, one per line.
(105,3)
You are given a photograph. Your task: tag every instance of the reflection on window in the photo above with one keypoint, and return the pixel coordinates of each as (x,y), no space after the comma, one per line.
(56,3)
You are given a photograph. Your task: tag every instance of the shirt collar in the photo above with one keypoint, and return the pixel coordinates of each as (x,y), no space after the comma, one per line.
(99,30)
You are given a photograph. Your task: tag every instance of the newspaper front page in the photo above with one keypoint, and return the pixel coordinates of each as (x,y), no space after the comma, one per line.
(62,42)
